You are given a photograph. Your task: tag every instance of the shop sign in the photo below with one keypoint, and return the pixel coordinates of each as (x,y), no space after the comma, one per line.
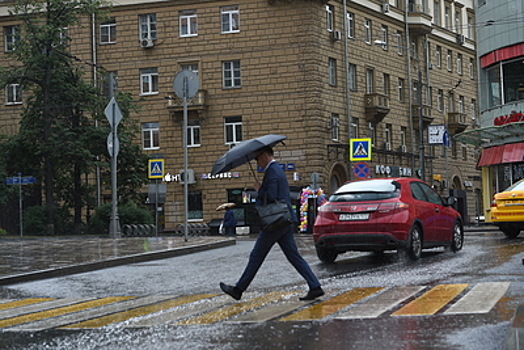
(513,117)
(208,176)
(386,170)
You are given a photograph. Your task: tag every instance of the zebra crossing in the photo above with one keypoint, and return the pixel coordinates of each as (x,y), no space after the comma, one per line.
(35,314)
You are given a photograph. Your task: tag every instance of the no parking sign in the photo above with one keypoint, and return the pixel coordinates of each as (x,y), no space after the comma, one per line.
(361,170)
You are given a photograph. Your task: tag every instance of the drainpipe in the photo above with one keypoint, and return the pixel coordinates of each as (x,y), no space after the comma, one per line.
(347,89)
(410,84)
(95,78)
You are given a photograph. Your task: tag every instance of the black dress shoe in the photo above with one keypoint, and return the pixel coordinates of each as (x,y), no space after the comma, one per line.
(313,294)
(233,292)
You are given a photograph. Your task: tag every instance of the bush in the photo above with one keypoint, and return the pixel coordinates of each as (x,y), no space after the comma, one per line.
(3,232)
(35,223)
(127,214)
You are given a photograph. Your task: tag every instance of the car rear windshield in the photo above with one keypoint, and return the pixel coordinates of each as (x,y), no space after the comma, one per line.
(366,190)
(517,186)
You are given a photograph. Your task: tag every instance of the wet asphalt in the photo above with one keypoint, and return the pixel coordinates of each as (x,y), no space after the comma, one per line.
(29,259)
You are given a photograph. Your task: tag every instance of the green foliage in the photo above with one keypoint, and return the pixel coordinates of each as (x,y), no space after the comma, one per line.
(127,214)
(3,232)
(35,221)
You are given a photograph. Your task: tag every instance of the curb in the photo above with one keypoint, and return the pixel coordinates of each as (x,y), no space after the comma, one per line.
(516,332)
(124,260)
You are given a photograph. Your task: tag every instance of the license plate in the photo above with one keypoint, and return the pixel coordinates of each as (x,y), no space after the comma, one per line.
(353,217)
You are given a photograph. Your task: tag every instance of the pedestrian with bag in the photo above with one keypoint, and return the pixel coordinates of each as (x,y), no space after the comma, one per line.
(230,222)
(274,187)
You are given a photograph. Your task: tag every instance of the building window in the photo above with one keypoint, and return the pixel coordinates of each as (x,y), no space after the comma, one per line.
(334,125)
(447,17)
(403,133)
(193,67)
(354,128)
(193,134)
(399,43)
(194,204)
(400,90)
(387,137)
(150,136)
(440,100)
(230,16)
(471,28)
(108,32)
(148,26)
(233,129)
(464,152)
(384,37)
(351,24)
(329,18)
(458,21)
(436,12)
(13,94)
(367,31)
(449,61)
(231,74)
(352,77)
(459,64)
(10,37)
(107,86)
(462,107)
(149,81)
(372,133)
(370,88)
(188,23)
(332,71)
(451,102)
(438,56)
(385,84)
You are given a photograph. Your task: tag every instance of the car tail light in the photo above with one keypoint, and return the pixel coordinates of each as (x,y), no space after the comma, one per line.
(363,207)
(493,203)
(385,207)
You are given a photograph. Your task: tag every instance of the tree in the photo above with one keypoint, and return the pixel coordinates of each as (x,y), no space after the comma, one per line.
(59,140)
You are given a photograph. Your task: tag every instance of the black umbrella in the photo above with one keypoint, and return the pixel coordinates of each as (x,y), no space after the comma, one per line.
(243,152)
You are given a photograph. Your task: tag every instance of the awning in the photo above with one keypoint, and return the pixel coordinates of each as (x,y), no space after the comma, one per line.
(490,134)
(510,153)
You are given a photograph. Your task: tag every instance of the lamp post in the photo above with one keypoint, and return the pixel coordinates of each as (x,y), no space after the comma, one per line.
(421,154)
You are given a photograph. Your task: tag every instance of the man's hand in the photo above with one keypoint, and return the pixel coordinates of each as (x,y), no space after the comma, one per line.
(256,185)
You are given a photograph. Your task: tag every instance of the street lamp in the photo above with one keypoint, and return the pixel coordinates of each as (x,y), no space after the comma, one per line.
(420,120)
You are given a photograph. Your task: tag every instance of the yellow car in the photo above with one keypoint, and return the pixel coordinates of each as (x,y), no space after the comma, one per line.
(507,209)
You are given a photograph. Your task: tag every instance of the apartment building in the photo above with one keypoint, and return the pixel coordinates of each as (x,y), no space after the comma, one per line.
(394,76)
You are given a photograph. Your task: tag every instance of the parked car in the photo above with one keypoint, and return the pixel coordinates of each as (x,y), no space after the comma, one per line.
(381,214)
(507,209)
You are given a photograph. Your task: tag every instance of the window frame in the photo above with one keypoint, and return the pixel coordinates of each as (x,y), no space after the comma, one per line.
(108,30)
(147,26)
(350,18)
(234,79)
(330,9)
(191,19)
(13,94)
(233,126)
(229,19)
(10,37)
(152,81)
(194,135)
(367,31)
(153,129)
(334,124)
(332,71)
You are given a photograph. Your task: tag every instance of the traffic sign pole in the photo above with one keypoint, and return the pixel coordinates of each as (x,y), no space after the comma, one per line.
(20,206)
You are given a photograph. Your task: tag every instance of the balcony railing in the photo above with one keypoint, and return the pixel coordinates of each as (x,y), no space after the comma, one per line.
(196,103)
(377,106)
(426,116)
(419,19)
(457,122)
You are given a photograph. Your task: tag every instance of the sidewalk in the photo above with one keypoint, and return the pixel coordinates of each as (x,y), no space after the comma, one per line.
(30,259)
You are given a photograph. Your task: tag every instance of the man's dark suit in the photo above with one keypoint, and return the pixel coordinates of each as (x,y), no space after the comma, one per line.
(275,186)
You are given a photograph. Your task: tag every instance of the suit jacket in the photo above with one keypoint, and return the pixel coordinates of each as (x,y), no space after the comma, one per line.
(275,187)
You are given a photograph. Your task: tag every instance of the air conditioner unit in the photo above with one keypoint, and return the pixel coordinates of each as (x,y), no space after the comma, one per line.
(335,35)
(403,148)
(461,39)
(146,43)
(430,65)
(387,146)
(385,8)
(190,177)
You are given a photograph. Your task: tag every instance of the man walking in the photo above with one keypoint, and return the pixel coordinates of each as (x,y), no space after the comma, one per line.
(274,187)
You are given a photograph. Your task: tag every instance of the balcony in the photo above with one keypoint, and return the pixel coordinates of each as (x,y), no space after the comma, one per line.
(376,106)
(426,116)
(419,19)
(457,122)
(196,103)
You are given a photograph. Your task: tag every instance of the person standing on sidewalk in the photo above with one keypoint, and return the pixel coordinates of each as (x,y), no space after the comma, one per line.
(230,222)
(274,187)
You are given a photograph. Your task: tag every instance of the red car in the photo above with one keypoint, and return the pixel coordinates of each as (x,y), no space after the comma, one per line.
(386,214)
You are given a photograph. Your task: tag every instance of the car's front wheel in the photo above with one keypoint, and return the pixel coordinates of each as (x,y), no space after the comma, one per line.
(457,241)
(327,255)
(414,248)
(510,232)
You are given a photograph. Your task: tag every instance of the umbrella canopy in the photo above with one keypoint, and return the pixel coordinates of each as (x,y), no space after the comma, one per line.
(243,152)
(225,206)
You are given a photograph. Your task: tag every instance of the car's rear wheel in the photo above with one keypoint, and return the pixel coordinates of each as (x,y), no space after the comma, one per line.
(414,248)
(457,241)
(510,232)
(327,255)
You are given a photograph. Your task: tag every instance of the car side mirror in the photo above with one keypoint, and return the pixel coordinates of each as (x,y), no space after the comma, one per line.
(450,201)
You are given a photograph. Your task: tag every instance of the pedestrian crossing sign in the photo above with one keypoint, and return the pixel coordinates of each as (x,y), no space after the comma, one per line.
(360,149)
(156,168)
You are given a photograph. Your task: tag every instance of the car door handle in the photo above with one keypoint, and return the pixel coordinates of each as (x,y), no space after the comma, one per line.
(437,210)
